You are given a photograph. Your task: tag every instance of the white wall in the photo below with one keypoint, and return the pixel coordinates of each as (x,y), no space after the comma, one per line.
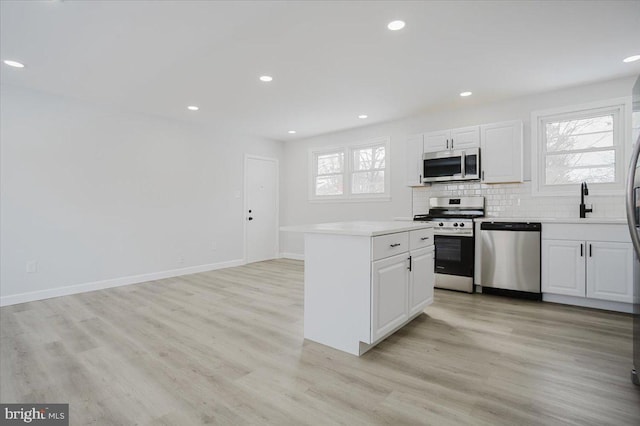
(102,197)
(298,210)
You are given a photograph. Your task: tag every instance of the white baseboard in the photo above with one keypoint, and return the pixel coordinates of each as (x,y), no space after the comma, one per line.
(115,282)
(294,256)
(588,303)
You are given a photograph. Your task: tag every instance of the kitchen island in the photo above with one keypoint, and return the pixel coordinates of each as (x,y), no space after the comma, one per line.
(364,280)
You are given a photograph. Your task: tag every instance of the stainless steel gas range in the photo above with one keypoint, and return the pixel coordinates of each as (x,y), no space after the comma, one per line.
(454,239)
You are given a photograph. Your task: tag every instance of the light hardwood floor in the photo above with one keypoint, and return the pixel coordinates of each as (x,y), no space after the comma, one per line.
(226,347)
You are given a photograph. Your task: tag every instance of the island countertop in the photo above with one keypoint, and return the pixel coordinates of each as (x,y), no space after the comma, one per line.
(358,228)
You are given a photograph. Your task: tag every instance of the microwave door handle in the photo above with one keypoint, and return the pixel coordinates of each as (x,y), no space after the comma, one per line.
(464,162)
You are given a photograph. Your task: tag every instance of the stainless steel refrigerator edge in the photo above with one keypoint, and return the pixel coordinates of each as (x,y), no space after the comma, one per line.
(633,209)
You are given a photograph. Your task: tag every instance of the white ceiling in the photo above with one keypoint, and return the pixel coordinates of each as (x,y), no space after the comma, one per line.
(331,61)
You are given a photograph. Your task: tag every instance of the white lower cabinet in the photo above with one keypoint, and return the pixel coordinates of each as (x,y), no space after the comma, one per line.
(586,268)
(390,292)
(421,279)
(563,270)
(401,287)
(359,289)
(610,271)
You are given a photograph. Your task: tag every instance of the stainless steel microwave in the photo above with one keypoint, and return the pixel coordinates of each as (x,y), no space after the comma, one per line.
(453,165)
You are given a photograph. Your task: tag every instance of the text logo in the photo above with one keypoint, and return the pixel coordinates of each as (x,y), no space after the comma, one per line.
(34,414)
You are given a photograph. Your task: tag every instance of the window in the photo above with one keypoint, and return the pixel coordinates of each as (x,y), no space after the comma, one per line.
(367,173)
(579,144)
(350,172)
(329,176)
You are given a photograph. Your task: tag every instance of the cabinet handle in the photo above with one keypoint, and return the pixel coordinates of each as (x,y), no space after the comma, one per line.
(590,250)
(581,250)
(394,245)
(447,143)
(483,175)
(451,143)
(409,268)
(424,238)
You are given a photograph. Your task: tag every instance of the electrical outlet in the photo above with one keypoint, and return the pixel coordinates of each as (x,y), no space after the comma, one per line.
(32,266)
(181,260)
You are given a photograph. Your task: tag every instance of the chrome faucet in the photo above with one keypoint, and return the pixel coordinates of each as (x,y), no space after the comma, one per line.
(583,208)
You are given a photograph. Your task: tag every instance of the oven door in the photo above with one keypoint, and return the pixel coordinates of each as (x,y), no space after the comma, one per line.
(454,255)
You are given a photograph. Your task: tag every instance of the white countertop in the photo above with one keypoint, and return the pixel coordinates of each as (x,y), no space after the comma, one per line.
(576,220)
(358,228)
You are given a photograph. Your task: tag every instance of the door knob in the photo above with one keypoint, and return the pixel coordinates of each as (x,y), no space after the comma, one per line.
(250,218)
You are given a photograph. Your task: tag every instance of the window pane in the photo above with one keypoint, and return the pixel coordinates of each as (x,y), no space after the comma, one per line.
(369,158)
(329,185)
(571,142)
(330,163)
(368,182)
(580,134)
(593,167)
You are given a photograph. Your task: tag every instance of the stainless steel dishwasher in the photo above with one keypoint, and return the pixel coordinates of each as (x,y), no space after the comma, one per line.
(511,259)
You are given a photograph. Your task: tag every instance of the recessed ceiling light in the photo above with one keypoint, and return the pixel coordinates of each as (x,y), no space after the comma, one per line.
(396,25)
(363,116)
(266,78)
(629,59)
(193,108)
(292,132)
(465,94)
(14,64)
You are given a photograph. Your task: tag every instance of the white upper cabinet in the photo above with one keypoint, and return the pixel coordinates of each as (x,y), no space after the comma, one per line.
(437,141)
(442,140)
(465,137)
(414,160)
(501,152)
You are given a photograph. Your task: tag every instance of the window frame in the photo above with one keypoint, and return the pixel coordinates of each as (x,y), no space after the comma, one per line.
(348,171)
(618,107)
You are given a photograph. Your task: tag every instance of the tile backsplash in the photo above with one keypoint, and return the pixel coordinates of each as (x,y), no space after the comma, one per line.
(514,200)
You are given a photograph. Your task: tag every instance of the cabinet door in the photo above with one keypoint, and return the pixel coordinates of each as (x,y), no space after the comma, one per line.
(415,149)
(465,137)
(389,294)
(422,279)
(437,141)
(610,271)
(501,152)
(563,267)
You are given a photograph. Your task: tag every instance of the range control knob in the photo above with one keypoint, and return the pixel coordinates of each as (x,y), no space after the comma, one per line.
(441,224)
(455,225)
(462,225)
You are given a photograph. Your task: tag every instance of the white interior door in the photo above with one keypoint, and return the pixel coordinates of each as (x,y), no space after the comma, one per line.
(261,208)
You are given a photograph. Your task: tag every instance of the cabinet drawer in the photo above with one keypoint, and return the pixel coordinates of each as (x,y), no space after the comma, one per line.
(389,245)
(420,238)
